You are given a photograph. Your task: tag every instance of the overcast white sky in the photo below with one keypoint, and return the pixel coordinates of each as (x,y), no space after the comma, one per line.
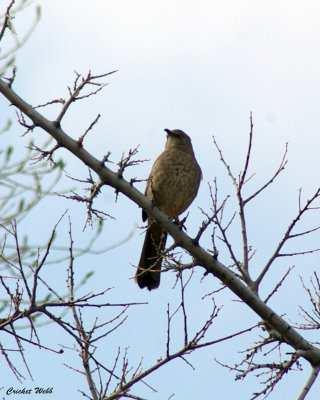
(199,66)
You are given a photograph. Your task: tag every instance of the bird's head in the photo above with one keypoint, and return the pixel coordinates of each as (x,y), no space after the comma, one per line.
(177,139)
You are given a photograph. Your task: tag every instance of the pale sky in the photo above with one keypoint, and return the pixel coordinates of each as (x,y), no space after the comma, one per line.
(199,66)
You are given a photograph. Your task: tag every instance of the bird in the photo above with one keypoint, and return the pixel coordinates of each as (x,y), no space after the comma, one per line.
(172,185)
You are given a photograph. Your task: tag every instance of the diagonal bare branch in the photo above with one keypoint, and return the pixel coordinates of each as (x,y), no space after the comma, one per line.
(211,265)
(288,235)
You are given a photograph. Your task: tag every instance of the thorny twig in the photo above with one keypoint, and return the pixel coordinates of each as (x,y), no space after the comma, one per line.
(242,201)
(81,138)
(273,371)
(311,318)
(94,190)
(37,307)
(79,84)
(193,344)
(218,212)
(7,18)
(279,284)
(243,266)
(289,235)
(128,161)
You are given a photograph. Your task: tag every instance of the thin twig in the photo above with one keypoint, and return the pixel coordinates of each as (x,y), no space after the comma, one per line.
(287,236)
(7,17)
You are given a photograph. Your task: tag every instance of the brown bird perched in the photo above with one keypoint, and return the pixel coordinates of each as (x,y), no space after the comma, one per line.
(172,185)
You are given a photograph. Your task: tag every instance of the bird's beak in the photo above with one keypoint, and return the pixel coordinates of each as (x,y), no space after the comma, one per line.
(170,133)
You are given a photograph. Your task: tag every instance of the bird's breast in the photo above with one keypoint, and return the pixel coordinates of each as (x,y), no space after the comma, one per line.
(174,181)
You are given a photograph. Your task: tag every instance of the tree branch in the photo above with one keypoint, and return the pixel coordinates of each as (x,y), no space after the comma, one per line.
(313,376)
(212,266)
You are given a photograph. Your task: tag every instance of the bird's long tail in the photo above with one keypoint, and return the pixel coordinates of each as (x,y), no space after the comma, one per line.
(148,272)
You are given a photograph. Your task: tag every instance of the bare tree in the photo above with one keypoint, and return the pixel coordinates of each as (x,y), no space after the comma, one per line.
(275,336)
